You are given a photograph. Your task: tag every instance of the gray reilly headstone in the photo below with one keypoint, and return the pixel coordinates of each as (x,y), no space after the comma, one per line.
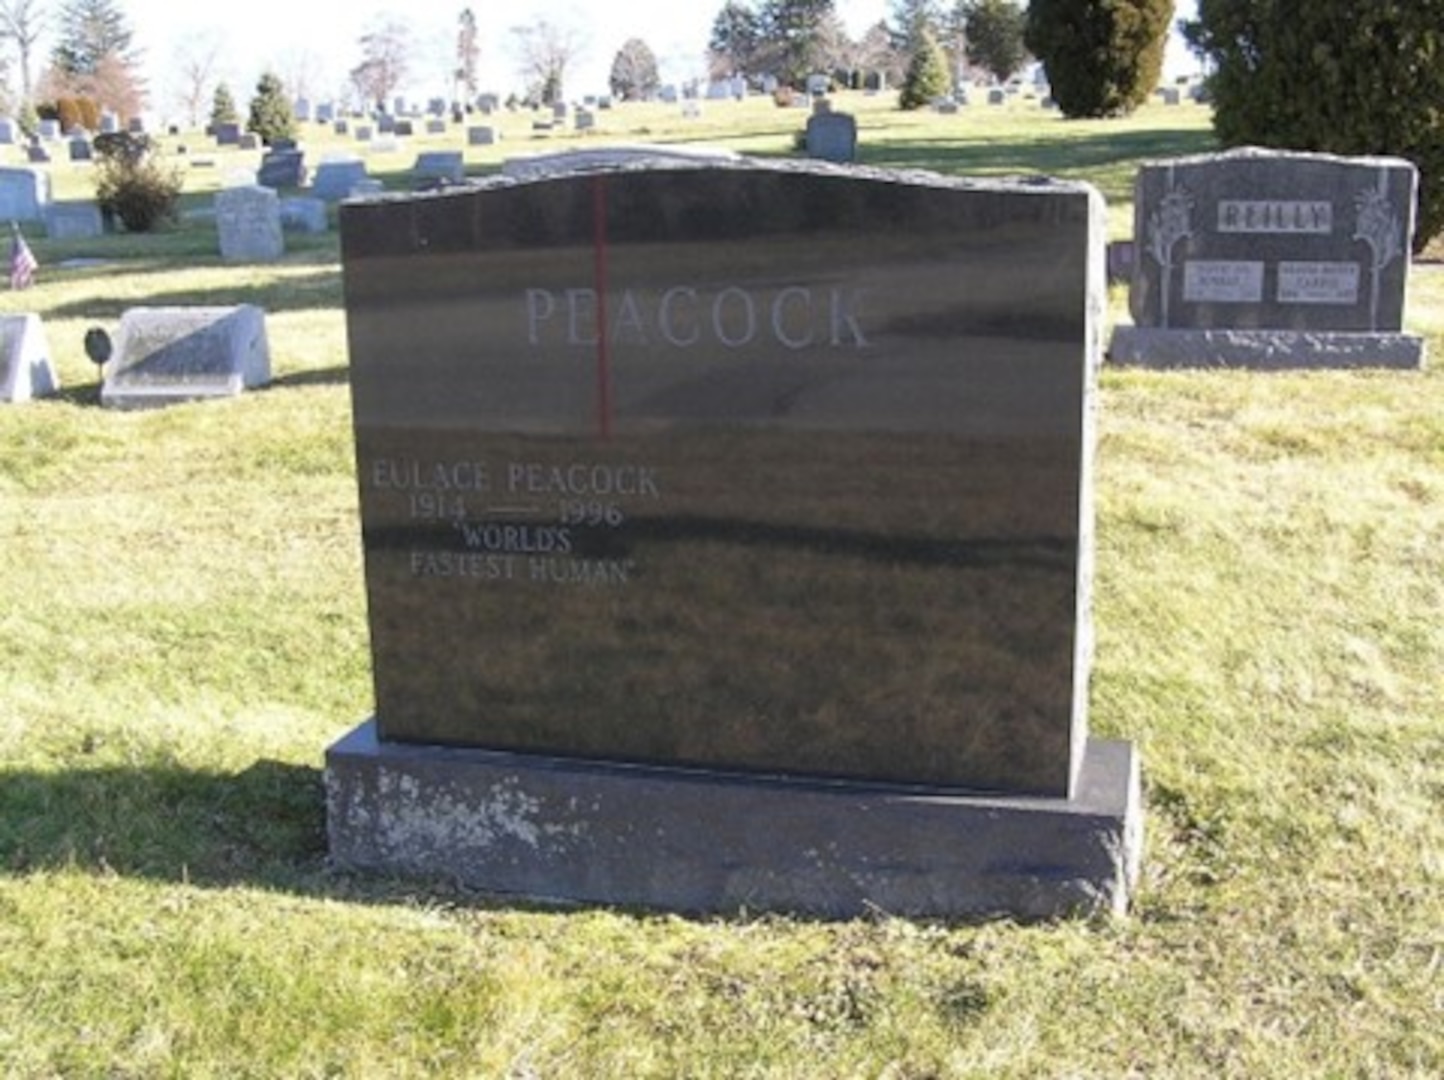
(1263,258)
(727,531)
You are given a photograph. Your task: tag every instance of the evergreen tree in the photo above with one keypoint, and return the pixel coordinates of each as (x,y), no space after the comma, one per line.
(927,75)
(799,37)
(1335,76)
(271,116)
(90,31)
(994,34)
(736,40)
(223,107)
(94,57)
(634,71)
(1103,57)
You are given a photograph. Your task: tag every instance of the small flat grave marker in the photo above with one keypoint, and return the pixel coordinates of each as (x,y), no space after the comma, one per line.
(167,355)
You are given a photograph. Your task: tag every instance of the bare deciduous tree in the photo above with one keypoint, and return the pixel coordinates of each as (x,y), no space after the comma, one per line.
(385,57)
(546,51)
(196,73)
(23,22)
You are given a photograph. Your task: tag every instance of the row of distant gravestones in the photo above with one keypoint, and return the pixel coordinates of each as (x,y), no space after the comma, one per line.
(1249,258)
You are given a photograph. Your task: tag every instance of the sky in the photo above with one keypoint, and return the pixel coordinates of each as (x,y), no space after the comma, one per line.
(313,45)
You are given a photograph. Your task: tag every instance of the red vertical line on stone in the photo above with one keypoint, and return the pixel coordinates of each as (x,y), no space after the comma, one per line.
(599,273)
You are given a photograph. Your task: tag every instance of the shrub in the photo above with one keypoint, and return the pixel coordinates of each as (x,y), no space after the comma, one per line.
(131,185)
(223,107)
(1373,73)
(1103,57)
(77,112)
(927,76)
(271,116)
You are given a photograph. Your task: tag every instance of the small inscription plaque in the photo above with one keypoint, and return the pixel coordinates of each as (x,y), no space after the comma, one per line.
(1222,281)
(1318,282)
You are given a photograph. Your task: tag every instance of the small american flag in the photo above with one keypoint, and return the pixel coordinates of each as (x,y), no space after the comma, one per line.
(22,261)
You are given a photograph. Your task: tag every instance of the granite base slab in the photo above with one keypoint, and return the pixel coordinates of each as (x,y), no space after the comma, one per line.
(1264,350)
(695,841)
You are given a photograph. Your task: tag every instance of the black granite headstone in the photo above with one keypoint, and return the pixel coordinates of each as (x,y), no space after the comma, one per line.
(282,169)
(727,540)
(756,468)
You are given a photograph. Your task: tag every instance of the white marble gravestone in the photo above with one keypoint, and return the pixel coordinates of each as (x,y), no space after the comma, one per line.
(248,220)
(25,368)
(166,355)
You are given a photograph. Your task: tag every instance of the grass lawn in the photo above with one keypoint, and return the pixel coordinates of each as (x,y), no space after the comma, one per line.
(182,628)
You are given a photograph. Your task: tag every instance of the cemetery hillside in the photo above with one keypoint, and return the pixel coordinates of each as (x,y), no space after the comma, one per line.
(799,546)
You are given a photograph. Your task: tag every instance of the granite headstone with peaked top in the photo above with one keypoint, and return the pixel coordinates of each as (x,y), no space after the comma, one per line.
(727,537)
(1265,258)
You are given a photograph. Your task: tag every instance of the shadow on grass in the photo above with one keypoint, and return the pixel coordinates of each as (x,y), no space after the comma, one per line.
(264,826)
(339,375)
(1064,154)
(316,290)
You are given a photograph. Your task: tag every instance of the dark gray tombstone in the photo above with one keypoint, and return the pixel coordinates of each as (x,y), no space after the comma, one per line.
(248,224)
(167,355)
(228,134)
(73,221)
(1263,258)
(765,586)
(363,133)
(24,194)
(37,154)
(284,168)
(303,214)
(337,179)
(386,124)
(404,129)
(80,149)
(249,141)
(832,136)
(25,368)
(480,136)
(444,165)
